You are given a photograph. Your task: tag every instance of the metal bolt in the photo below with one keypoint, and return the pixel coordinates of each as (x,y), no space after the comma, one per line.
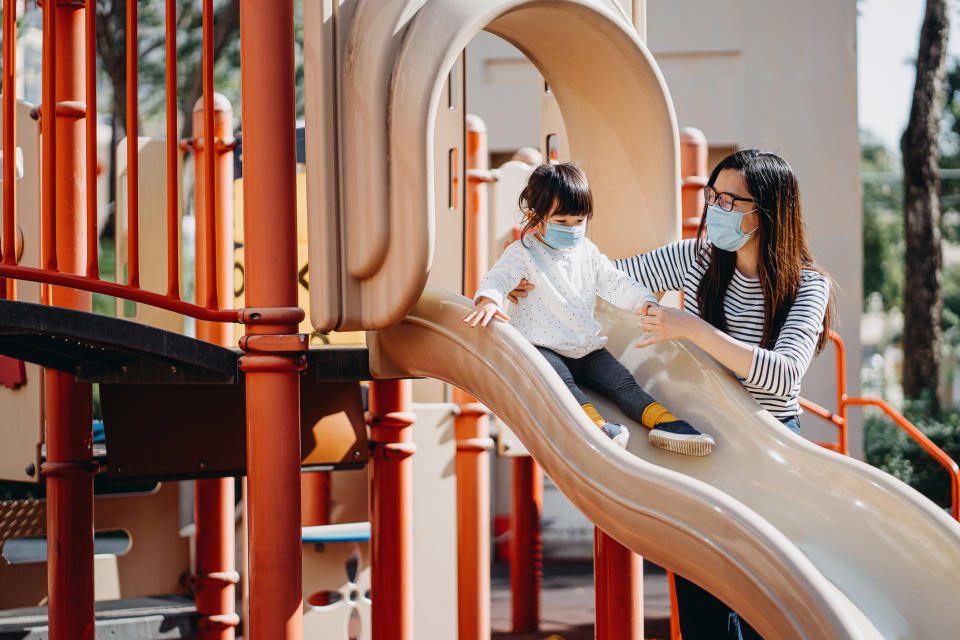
(356,454)
(202,463)
(173,369)
(123,369)
(119,468)
(31,469)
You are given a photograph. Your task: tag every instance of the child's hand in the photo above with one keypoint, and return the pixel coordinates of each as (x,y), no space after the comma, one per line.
(484,311)
(644,307)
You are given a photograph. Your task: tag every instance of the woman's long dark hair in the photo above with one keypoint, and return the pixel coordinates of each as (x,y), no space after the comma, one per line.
(555,188)
(783,246)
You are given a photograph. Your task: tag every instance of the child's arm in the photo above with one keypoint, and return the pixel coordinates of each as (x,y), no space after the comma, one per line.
(617,287)
(504,275)
(491,294)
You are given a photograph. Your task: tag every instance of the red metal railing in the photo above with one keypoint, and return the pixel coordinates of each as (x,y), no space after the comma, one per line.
(49,272)
(839,419)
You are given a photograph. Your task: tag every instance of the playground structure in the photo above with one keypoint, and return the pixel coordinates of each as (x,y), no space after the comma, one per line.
(389,153)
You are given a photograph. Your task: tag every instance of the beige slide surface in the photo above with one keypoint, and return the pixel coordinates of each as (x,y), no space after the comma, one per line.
(805,543)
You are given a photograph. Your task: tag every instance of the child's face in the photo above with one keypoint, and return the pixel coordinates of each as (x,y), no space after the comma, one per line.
(565,219)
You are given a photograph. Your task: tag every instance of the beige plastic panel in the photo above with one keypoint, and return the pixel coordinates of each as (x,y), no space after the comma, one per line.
(152,156)
(804,542)
(21,429)
(394,58)
(434,546)
(151,520)
(325,570)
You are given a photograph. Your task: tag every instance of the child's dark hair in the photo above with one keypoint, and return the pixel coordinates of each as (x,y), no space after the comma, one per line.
(555,189)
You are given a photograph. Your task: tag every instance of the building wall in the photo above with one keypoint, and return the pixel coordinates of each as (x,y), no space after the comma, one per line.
(748,73)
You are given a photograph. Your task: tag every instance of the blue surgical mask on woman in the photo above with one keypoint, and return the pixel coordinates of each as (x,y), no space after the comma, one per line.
(723,228)
(561,236)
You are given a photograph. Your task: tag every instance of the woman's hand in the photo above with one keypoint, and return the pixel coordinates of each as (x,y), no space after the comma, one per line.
(520,292)
(667,323)
(484,311)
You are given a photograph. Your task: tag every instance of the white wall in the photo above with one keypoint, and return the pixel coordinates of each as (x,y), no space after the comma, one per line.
(781,75)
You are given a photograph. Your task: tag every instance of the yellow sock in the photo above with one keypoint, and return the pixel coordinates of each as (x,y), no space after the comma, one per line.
(592,413)
(655,414)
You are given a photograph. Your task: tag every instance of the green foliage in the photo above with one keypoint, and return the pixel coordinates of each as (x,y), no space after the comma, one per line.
(891,449)
(883,242)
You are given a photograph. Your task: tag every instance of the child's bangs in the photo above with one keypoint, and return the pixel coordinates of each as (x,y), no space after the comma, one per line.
(573,195)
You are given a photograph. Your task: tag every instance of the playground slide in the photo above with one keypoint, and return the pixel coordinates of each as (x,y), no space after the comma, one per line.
(804,542)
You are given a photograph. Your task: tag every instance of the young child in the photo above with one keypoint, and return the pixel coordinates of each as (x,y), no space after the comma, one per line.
(557,316)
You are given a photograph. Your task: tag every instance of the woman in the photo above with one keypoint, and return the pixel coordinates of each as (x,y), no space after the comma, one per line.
(755,300)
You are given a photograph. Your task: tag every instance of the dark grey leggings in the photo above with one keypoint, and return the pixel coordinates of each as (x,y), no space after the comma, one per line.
(600,371)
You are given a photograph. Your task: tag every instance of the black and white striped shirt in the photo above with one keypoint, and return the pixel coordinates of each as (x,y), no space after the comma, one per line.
(774,378)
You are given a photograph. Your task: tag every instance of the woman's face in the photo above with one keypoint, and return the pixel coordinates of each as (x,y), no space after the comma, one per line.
(732,182)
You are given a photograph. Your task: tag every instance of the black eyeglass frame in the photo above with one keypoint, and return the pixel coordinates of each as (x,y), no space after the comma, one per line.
(733,200)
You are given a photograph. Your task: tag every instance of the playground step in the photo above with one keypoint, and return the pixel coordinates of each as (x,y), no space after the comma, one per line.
(153,618)
(99,348)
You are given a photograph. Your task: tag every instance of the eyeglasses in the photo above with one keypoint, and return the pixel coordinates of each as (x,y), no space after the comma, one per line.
(726,201)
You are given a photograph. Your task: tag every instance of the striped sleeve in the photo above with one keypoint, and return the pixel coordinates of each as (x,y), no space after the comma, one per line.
(663,268)
(779,370)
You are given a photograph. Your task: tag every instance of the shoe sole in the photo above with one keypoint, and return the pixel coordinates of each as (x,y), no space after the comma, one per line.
(683,444)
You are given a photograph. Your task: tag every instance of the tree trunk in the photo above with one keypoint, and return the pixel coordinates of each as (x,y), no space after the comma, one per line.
(923,301)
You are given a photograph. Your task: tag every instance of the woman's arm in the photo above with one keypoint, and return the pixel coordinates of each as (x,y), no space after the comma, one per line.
(666,323)
(618,288)
(775,370)
(663,268)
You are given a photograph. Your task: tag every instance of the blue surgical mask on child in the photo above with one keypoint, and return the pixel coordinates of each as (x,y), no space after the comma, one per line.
(723,228)
(561,236)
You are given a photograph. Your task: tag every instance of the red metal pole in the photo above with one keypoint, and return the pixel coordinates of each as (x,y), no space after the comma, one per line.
(90,81)
(133,160)
(391,509)
(9,131)
(272,382)
(216,575)
(693,172)
(209,212)
(315,498)
(841,392)
(674,616)
(68,467)
(618,583)
(173,177)
(472,430)
(526,552)
(48,125)
(472,425)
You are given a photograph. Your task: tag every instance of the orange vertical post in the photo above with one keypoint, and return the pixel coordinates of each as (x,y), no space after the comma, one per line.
(693,172)
(391,509)
(272,382)
(315,498)
(526,551)
(618,585)
(8,251)
(472,424)
(68,467)
(216,575)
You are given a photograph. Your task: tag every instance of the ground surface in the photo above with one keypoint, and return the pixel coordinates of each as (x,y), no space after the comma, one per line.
(567,603)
